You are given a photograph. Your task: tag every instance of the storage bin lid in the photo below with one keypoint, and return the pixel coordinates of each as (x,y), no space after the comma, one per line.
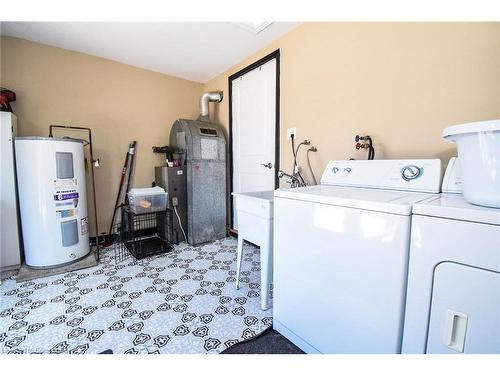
(146,191)
(472,127)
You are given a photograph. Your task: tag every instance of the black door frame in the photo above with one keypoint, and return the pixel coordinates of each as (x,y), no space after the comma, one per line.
(231,78)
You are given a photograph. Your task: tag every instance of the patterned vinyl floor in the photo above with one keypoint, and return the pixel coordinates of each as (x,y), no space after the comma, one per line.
(184,301)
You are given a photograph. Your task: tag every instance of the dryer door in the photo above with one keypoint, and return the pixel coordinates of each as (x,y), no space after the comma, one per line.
(465,310)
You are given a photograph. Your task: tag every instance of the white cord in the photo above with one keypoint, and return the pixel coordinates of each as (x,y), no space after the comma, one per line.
(180,224)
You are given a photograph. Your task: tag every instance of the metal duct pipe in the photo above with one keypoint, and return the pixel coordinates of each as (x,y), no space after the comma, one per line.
(211,96)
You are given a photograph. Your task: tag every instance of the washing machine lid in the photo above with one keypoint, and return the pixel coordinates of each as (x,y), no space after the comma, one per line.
(387,201)
(454,206)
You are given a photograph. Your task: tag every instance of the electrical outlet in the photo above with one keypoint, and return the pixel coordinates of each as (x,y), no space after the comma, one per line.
(289,133)
(175,202)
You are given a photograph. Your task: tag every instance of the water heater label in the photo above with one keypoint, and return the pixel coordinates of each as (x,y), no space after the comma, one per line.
(64,203)
(64,184)
(63,197)
(84,225)
(65,213)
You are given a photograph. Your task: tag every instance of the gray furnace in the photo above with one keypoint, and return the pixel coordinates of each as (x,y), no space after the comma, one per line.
(201,146)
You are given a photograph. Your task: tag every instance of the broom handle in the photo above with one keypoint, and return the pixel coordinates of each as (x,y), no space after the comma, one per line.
(131,169)
(122,179)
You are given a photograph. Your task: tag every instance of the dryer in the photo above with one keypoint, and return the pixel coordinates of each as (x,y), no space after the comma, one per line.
(341,254)
(453,293)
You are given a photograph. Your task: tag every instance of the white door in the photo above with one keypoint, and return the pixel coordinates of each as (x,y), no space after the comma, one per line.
(253,129)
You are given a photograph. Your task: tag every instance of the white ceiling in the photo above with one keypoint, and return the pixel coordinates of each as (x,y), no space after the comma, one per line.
(197,51)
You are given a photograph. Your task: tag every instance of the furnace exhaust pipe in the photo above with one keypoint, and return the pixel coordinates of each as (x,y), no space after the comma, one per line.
(211,96)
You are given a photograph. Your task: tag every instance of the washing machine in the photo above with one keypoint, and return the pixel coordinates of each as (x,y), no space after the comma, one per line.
(453,294)
(341,254)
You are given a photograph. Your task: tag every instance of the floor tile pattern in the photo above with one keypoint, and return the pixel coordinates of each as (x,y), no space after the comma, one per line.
(184,301)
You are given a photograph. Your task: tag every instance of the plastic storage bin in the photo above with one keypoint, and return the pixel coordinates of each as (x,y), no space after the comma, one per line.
(478,145)
(147,200)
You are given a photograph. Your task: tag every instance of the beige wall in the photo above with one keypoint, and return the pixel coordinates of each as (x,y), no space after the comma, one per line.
(401,83)
(119,102)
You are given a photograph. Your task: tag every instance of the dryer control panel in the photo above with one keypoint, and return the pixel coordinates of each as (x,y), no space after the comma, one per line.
(420,175)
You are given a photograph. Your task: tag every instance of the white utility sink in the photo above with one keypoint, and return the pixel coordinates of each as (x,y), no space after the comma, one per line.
(255,224)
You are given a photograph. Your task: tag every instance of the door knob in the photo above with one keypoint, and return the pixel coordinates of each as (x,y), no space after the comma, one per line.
(268,165)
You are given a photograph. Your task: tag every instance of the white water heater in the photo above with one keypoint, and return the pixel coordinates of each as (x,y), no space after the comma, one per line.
(52,200)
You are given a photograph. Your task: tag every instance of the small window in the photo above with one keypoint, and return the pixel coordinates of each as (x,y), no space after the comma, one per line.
(208,131)
(64,165)
(69,232)
(181,140)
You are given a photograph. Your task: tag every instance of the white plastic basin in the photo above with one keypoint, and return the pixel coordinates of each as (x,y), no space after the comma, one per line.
(259,203)
(478,145)
(255,224)
(255,216)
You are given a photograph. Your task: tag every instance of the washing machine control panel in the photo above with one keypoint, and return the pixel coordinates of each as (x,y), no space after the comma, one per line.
(413,175)
(411,172)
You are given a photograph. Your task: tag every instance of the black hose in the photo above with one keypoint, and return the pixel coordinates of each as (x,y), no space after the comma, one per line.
(294,155)
(294,152)
(297,154)
(371,149)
